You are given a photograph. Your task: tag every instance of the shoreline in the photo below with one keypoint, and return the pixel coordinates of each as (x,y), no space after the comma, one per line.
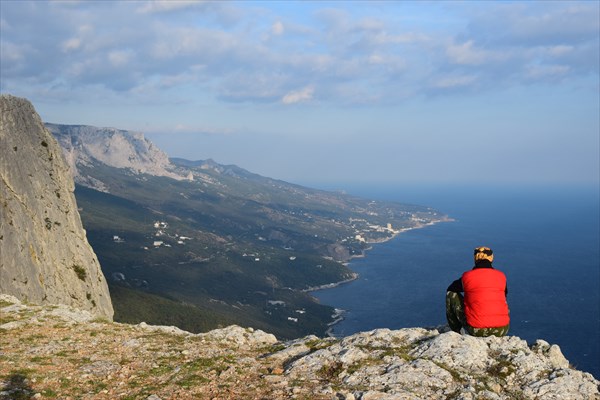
(330,285)
(338,315)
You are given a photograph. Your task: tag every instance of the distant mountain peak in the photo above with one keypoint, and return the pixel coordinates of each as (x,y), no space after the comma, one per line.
(85,145)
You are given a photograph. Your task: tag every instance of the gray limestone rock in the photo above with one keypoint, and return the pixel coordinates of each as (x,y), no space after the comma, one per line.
(85,145)
(384,364)
(44,253)
(416,363)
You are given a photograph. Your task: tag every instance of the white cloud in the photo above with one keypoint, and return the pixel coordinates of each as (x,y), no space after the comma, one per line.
(560,50)
(546,71)
(451,82)
(159,6)
(376,59)
(376,53)
(401,38)
(467,54)
(277,29)
(11,53)
(119,57)
(299,96)
(204,130)
(71,44)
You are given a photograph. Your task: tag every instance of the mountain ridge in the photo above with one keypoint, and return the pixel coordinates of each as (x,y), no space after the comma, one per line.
(253,243)
(114,147)
(67,351)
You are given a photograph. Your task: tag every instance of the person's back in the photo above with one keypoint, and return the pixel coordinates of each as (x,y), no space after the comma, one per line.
(483,311)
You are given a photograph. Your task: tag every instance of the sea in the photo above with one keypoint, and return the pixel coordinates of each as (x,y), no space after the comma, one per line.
(545,239)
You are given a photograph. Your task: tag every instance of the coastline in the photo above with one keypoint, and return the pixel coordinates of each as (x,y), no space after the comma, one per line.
(330,285)
(338,315)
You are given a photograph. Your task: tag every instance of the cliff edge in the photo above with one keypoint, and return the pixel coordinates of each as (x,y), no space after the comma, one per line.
(59,352)
(44,253)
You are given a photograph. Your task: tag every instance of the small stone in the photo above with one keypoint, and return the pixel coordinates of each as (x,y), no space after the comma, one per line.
(272,378)
(495,387)
(327,390)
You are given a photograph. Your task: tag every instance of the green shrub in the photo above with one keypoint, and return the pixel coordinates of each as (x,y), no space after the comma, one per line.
(80,271)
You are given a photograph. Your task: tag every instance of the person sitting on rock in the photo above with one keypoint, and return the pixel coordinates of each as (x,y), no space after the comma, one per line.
(483,311)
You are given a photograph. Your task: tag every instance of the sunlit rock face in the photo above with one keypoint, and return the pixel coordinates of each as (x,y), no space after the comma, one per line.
(83,146)
(44,253)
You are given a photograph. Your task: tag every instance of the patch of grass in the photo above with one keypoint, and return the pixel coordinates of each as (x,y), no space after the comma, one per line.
(201,364)
(85,360)
(192,380)
(502,369)
(384,351)
(318,344)
(274,348)
(161,370)
(100,386)
(49,393)
(4,303)
(455,375)
(26,372)
(204,364)
(32,338)
(330,372)
(41,360)
(356,366)
(4,319)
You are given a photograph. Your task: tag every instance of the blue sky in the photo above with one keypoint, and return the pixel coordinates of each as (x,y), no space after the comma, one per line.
(326,92)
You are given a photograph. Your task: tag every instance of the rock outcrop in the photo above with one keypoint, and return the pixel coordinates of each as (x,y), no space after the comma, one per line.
(83,146)
(60,352)
(44,253)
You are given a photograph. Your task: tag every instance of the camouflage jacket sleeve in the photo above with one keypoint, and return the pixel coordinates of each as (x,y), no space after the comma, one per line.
(455,286)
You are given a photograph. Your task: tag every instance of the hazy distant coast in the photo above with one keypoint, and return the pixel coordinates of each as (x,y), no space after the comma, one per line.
(364,253)
(338,315)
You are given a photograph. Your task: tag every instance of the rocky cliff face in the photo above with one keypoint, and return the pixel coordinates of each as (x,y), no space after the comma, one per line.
(63,353)
(85,145)
(44,253)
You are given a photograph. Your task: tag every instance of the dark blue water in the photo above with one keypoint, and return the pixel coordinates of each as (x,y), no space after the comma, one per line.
(546,240)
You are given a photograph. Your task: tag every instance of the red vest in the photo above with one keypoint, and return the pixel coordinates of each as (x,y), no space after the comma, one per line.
(485,298)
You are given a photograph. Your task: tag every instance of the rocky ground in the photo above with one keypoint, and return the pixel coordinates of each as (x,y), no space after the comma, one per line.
(59,352)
